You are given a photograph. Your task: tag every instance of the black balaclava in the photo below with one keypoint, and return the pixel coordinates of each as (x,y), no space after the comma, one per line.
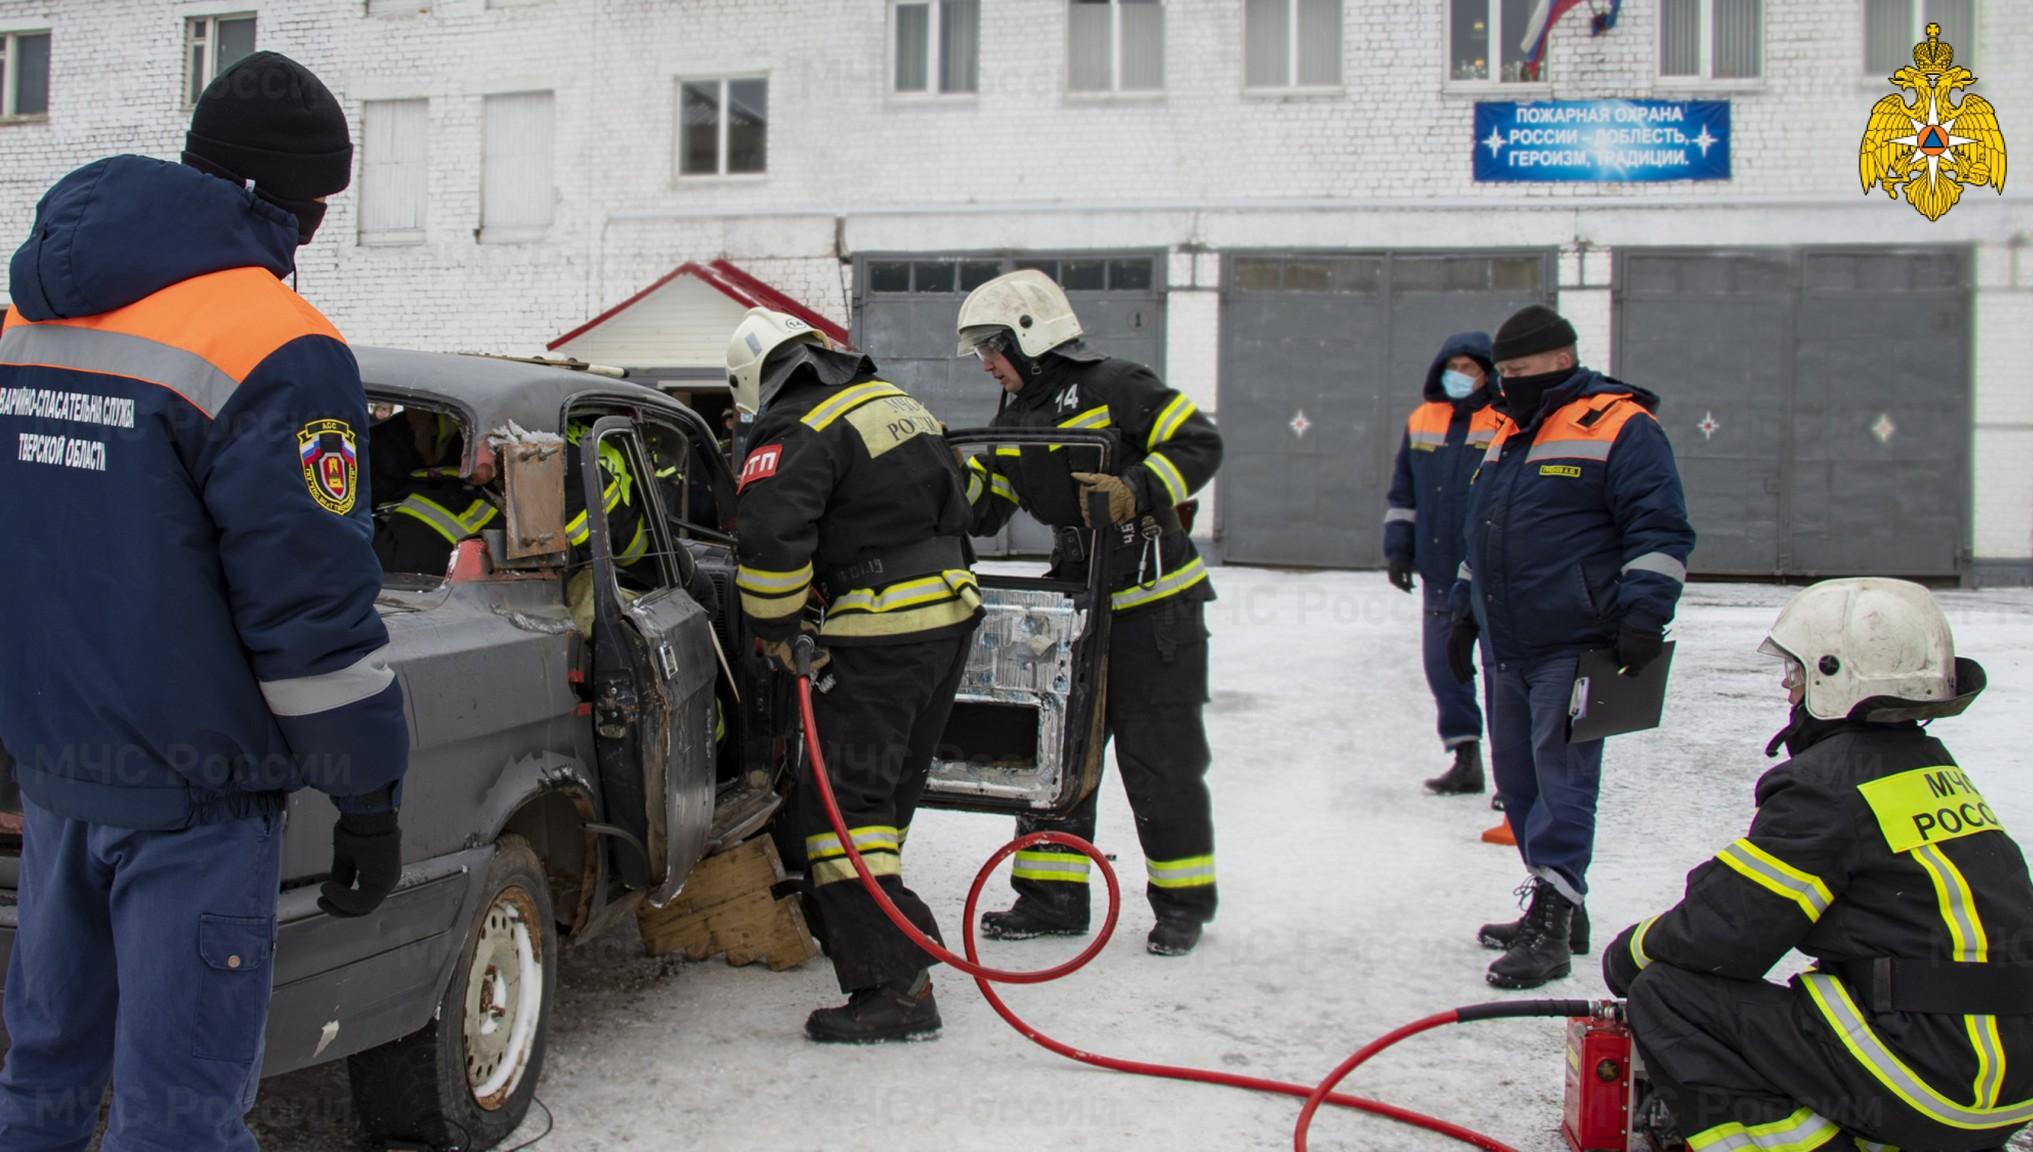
(268,119)
(1530,330)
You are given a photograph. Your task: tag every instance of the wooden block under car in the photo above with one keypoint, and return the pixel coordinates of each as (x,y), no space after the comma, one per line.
(727,907)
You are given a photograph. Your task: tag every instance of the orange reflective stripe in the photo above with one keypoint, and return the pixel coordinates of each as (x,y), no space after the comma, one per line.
(1596,418)
(1483,426)
(1432,416)
(232,319)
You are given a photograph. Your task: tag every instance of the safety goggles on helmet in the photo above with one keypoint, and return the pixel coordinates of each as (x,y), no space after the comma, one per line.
(997,344)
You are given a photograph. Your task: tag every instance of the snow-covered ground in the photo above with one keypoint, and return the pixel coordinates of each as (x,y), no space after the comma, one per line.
(1349,904)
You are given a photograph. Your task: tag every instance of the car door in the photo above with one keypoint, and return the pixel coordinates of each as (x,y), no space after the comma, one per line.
(653,674)
(1026,731)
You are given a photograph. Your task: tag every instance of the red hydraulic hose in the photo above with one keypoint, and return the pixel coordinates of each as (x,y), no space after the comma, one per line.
(983,975)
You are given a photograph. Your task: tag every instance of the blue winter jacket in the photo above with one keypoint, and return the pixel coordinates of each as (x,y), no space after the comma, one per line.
(1576,524)
(190,629)
(1444,442)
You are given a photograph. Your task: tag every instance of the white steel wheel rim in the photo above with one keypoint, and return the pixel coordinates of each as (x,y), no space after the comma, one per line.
(504,998)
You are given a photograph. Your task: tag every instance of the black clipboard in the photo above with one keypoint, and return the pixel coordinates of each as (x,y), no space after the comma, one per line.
(1607,703)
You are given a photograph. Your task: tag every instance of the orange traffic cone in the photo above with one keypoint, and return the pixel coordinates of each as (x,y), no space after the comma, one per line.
(1501,834)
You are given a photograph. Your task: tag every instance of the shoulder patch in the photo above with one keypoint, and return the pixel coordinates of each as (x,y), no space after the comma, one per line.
(331,464)
(889,421)
(1927,806)
(761,465)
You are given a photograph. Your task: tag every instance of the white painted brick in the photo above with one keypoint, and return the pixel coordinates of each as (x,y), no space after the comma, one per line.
(1200,168)
(1588,309)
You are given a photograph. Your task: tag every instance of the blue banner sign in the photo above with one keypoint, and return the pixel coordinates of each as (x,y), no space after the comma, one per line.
(1602,140)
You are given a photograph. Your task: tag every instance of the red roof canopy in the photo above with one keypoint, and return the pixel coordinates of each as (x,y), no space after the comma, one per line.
(732,282)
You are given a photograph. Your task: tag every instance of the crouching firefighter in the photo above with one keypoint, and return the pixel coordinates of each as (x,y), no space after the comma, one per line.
(849,494)
(1025,332)
(1876,855)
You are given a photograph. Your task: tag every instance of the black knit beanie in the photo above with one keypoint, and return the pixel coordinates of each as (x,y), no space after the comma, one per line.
(1532,329)
(268,119)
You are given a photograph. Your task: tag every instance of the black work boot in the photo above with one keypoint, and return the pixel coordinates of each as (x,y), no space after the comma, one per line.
(1173,935)
(900,1010)
(1030,917)
(1540,951)
(1500,935)
(1465,778)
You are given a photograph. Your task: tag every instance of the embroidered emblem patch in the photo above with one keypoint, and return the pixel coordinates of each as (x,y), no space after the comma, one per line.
(331,464)
(761,465)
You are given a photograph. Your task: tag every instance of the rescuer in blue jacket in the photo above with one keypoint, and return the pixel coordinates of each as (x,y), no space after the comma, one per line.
(1577,538)
(192,632)
(1445,439)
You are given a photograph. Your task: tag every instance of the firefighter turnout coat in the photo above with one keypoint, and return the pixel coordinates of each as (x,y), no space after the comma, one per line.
(1168,450)
(1876,855)
(851,489)
(190,564)
(1576,524)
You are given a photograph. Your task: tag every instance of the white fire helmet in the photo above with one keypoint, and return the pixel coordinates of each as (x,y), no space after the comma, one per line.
(1026,304)
(760,333)
(1866,637)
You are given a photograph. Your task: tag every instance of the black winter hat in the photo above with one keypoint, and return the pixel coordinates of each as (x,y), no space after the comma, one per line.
(269,119)
(1532,329)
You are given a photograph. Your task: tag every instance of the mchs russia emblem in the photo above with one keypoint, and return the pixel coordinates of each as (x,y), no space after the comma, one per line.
(1932,146)
(331,464)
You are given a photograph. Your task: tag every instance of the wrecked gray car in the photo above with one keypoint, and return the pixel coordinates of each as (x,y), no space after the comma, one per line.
(559,779)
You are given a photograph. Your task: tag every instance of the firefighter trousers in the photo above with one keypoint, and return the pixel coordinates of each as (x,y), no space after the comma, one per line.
(146,959)
(1750,1064)
(879,723)
(1157,685)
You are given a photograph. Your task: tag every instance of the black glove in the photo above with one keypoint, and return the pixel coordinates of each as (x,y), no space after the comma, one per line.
(1401,574)
(1620,968)
(1461,649)
(1637,647)
(366,847)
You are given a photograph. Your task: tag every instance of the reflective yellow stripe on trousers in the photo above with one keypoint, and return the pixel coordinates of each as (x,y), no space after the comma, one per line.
(1191,872)
(1803,1131)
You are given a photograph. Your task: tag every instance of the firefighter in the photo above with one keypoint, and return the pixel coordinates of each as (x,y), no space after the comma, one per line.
(1027,337)
(628,529)
(850,495)
(1577,539)
(1874,854)
(193,633)
(1445,438)
(430,506)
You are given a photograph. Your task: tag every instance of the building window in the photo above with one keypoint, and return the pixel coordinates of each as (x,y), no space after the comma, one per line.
(1893,27)
(723,127)
(518,187)
(938,46)
(1115,46)
(394,169)
(24,74)
(1292,43)
(1711,39)
(1486,41)
(213,44)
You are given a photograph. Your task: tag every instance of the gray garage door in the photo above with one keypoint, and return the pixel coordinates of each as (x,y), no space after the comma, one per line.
(1818,401)
(1323,356)
(905,306)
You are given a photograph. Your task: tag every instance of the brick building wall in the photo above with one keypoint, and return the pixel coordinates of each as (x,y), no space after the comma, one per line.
(1200,169)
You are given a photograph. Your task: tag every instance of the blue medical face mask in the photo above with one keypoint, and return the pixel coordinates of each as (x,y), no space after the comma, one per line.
(1458,385)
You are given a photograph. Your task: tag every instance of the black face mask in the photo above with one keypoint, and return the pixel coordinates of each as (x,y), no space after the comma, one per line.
(1524,394)
(309,214)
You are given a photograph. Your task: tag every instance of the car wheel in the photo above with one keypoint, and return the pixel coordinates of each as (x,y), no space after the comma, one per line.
(466,1079)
